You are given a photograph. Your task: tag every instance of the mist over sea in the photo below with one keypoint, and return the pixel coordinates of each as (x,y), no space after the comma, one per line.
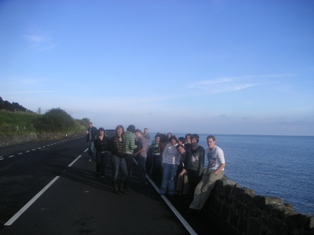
(279,166)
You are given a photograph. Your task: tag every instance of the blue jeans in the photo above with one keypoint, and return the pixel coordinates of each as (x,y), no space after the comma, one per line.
(141,168)
(168,179)
(119,164)
(92,150)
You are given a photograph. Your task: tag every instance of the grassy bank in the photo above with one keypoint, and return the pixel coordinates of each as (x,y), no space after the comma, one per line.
(19,123)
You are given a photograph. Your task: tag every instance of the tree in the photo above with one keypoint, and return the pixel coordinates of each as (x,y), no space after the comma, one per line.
(55,120)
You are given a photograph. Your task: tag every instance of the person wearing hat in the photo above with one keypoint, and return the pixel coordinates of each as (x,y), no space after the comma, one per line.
(102,147)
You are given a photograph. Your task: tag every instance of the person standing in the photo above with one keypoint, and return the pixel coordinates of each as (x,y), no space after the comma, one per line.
(194,164)
(102,147)
(156,158)
(118,159)
(182,186)
(140,156)
(129,150)
(170,161)
(213,171)
(90,137)
(146,135)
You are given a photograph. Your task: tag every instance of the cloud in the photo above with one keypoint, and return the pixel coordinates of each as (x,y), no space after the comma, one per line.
(40,40)
(233,84)
(28,92)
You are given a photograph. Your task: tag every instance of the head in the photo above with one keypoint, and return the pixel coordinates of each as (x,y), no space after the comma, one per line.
(90,124)
(131,128)
(181,140)
(119,130)
(145,130)
(180,148)
(211,141)
(138,133)
(195,139)
(101,131)
(157,138)
(169,134)
(188,138)
(163,138)
(173,140)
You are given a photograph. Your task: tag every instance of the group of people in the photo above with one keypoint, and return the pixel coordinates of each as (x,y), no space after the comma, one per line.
(122,148)
(182,166)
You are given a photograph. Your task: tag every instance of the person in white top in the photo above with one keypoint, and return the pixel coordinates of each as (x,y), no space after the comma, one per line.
(213,170)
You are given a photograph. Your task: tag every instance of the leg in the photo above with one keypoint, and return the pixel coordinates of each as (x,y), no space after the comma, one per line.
(172,183)
(129,165)
(204,188)
(165,179)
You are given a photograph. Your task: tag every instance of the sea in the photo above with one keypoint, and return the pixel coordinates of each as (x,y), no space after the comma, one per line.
(277,166)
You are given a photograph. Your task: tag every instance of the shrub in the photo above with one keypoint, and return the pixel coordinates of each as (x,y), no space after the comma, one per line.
(55,120)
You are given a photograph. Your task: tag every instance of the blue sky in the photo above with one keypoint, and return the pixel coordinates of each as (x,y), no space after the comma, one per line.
(214,66)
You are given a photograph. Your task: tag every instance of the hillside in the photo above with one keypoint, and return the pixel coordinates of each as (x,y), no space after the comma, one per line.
(18,124)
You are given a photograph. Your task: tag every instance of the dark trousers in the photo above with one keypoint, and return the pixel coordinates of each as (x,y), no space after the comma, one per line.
(129,165)
(194,179)
(101,162)
(157,167)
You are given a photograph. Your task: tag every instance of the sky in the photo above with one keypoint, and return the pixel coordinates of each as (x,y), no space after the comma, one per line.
(206,67)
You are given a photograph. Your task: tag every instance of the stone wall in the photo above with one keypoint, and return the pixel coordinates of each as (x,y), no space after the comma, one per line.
(248,213)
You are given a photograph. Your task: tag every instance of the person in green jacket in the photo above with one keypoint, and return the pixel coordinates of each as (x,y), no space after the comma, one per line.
(129,142)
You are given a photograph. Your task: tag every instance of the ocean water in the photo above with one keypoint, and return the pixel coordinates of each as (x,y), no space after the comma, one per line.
(279,166)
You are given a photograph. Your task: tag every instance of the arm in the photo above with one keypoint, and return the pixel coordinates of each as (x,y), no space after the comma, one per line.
(220,168)
(201,161)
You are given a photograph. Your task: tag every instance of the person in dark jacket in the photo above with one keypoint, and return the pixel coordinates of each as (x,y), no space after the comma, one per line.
(102,151)
(90,137)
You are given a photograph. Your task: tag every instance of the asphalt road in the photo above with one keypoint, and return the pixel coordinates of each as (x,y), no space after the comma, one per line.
(77,202)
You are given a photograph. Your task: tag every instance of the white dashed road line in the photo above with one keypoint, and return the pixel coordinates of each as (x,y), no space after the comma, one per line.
(19,154)
(11,156)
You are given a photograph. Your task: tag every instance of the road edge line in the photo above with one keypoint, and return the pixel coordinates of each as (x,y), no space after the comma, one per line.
(27,205)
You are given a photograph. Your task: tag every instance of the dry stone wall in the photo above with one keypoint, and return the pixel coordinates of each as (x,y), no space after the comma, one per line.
(249,213)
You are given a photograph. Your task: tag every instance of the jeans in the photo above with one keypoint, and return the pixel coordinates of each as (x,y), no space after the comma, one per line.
(141,168)
(92,150)
(119,164)
(168,179)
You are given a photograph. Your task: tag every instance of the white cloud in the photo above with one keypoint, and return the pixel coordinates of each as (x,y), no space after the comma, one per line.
(40,40)
(233,84)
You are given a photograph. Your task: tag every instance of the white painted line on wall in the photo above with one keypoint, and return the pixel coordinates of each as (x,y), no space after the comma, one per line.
(24,208)
(74,161)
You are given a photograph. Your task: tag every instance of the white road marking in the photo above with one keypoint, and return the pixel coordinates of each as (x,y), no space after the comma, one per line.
(174,210)
(33,149)
(1,158)
(11,156)
(19,154)
(24,208)
(27,151)
(85,150)
(74,161)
